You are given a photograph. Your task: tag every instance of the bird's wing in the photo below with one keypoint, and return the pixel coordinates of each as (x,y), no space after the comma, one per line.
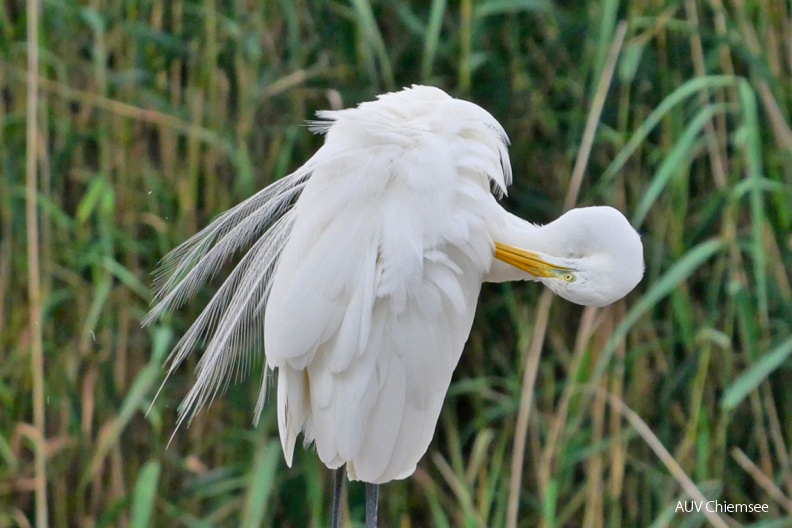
(368,315)
(416,356)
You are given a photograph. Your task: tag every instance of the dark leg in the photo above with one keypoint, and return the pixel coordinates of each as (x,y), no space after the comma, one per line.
(372,494)
(338,488)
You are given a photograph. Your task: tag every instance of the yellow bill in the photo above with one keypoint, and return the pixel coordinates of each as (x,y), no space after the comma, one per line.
(528,261)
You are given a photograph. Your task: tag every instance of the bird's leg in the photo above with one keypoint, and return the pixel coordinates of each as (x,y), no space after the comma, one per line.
(372,494)
(338,488)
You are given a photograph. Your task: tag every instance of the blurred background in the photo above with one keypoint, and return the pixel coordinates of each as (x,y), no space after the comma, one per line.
(152,117)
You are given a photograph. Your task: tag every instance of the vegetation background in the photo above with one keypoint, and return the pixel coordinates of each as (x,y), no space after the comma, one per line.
(132,123)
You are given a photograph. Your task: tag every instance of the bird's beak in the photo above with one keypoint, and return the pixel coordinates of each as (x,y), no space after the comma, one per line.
(528,261)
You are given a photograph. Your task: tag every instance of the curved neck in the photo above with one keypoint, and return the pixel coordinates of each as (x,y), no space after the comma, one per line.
(514,231)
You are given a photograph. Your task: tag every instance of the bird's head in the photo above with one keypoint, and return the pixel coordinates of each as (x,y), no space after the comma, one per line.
(592,256)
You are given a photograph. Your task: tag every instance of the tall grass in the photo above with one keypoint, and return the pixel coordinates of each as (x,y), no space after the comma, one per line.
(155,116)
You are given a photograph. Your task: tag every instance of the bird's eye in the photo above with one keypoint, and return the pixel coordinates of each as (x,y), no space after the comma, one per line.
(568,277)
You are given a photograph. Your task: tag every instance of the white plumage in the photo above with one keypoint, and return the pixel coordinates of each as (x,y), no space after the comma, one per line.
(363,271)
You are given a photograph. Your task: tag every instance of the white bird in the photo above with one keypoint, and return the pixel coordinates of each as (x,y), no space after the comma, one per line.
(362,271)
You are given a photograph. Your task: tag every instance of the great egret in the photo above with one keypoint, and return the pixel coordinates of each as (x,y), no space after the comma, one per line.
(361,275)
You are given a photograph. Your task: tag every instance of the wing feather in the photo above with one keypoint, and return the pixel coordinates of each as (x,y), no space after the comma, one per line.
(292,388)
(383,421)
(414,370)
(317,295)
